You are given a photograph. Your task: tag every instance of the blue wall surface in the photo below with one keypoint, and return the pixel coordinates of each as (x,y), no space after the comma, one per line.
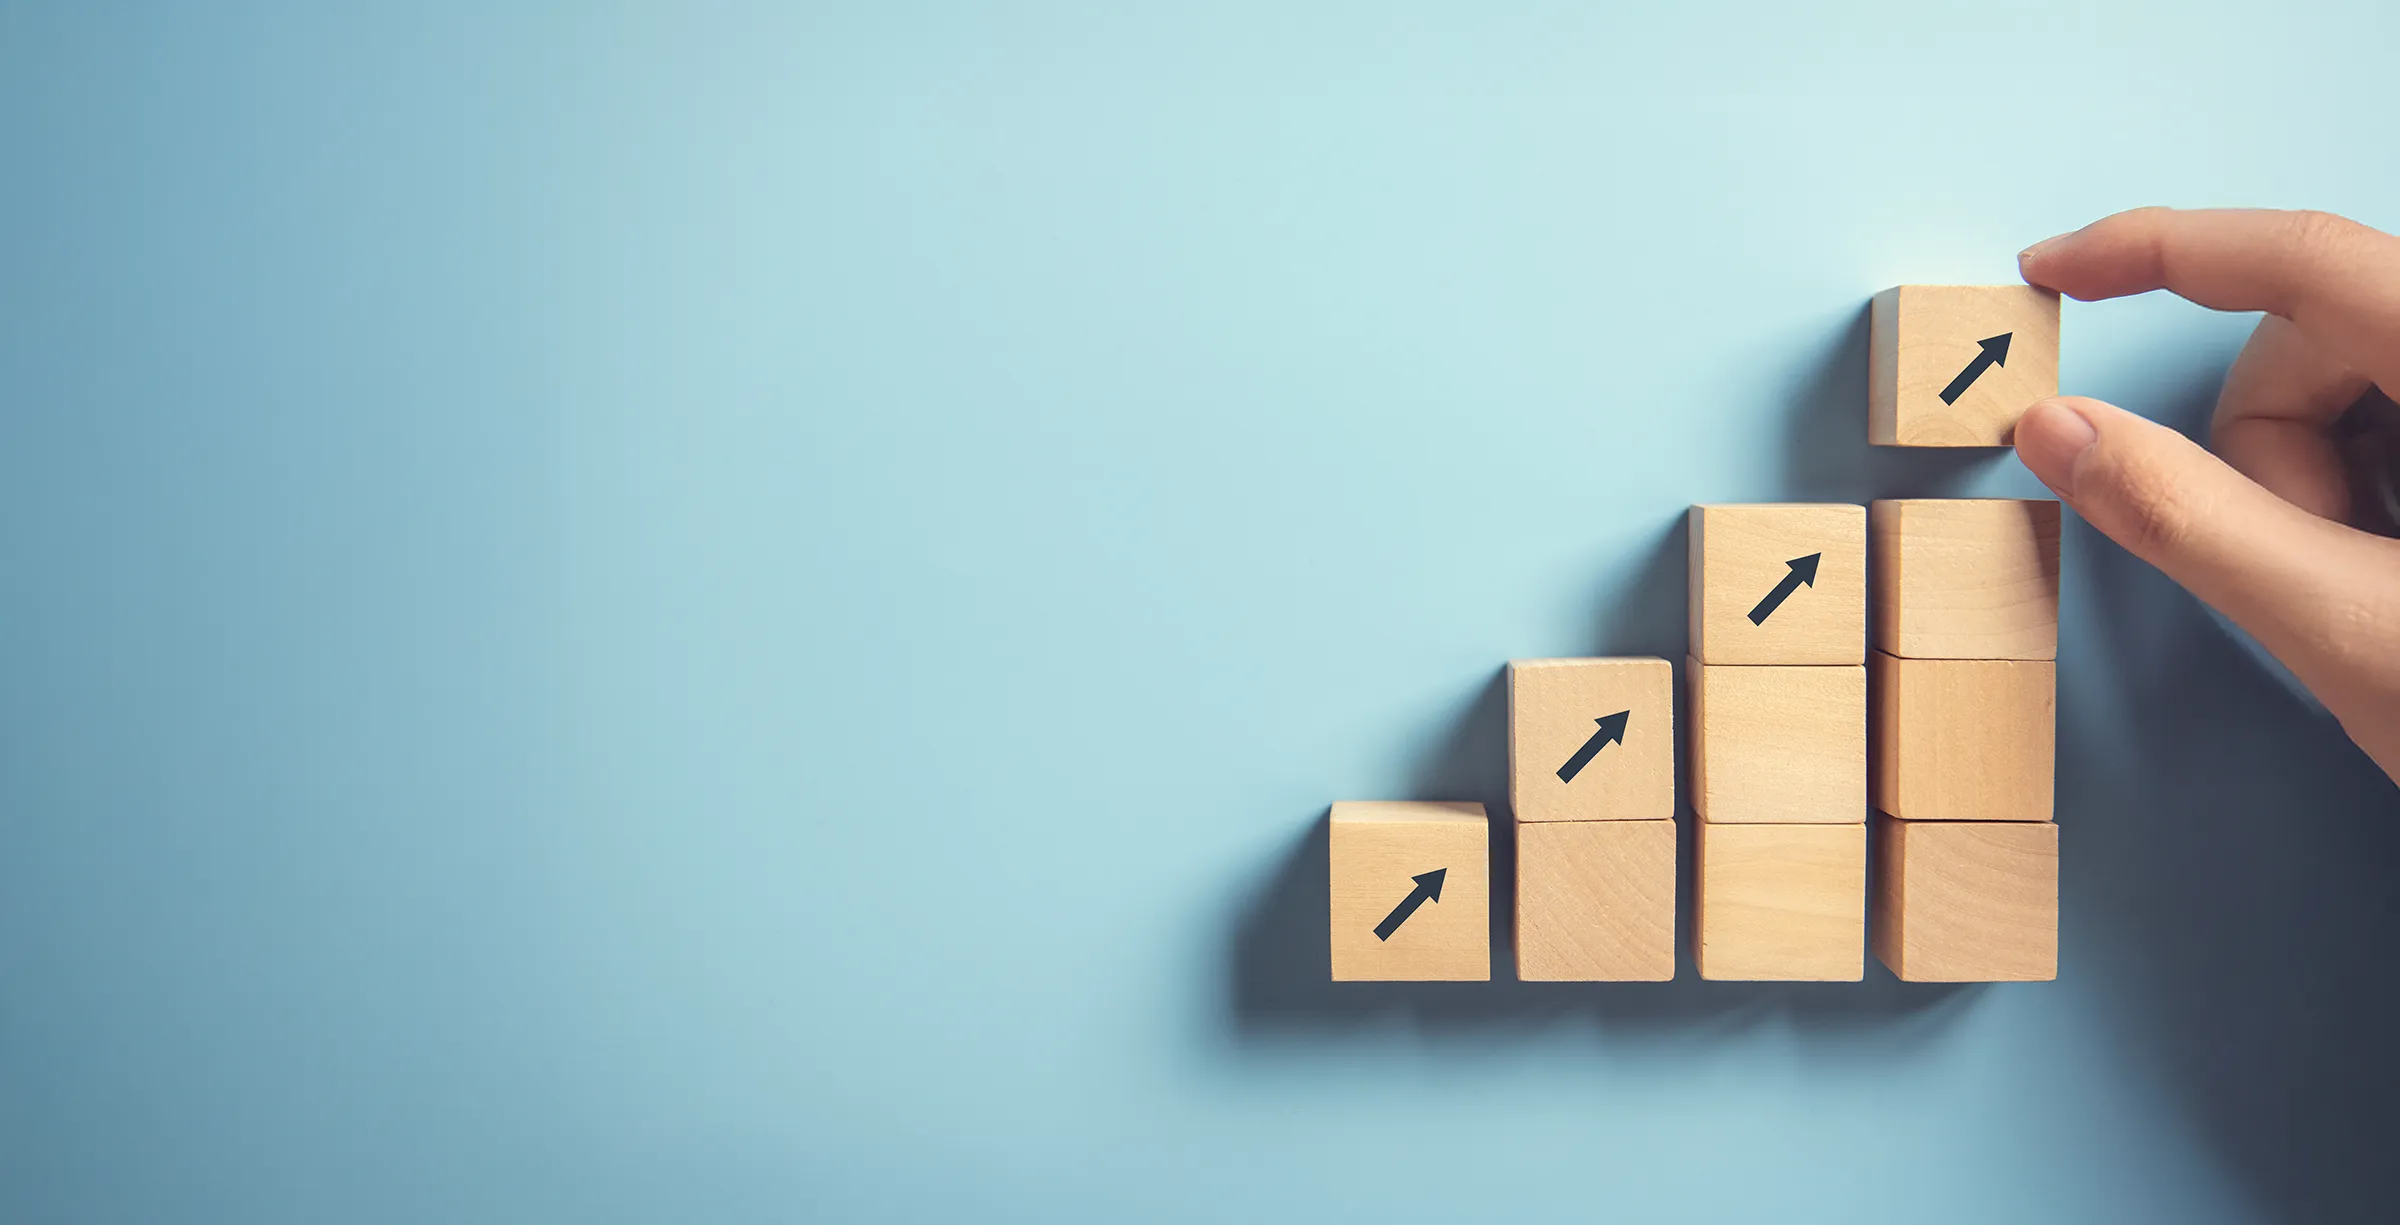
(740,614)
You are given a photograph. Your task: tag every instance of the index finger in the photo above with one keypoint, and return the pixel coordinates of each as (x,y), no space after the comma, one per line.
(2339,281)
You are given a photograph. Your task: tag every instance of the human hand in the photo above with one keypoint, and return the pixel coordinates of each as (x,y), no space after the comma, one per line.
(2264,529)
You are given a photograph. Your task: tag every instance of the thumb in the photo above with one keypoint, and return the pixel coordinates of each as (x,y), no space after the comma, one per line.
(2294,581)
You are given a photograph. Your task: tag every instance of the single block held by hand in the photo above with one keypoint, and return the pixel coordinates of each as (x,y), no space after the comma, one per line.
(1956,365)
(1964,739)
(1778,583)
(1782,902)
(1411,890)
(1591,739)
(1779,746)
(1965,578)
(1966,902)
(1596,901)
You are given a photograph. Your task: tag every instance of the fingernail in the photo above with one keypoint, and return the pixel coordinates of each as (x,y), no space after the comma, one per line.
(2034,252)
(2050,437)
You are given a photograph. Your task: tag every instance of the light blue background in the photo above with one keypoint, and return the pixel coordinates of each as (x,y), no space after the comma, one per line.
(747,614)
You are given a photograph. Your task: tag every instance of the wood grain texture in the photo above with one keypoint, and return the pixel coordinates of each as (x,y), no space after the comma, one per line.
(1782,902)
(1781,745)
(1921,337)
(1738,554)
(1377,851)
(1966,902)
(1553,710)
(1964,739)
(1965,578)
(1596,901)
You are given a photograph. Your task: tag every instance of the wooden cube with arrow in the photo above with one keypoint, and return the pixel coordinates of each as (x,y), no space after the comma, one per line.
(1778,583)
(1411,892)
(1956,365)
(1591,739)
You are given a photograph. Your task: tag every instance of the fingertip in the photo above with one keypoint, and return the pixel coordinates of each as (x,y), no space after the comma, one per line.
(2108,258)
(2030,256)
(2051,437)
(2057,263)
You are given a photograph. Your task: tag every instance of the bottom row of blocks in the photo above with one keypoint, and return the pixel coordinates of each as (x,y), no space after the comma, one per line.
(1953,901)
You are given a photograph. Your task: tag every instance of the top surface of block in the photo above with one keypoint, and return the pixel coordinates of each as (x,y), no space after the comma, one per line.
(1408,810)
(1779,583)
(1410,891)
(1956,365)
(1591,739)
(1965,578)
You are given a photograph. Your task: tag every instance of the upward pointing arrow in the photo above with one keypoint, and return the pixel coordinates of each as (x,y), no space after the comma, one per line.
(1804,570)
(1995,353)
(1429,889)
(1612,731)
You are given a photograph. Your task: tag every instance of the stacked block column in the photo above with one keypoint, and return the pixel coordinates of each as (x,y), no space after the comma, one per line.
(1591,777)
(1964,731)
(1778,715)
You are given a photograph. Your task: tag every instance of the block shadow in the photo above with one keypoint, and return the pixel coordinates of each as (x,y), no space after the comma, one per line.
(1826,454)
(2228,869)
(1279,976)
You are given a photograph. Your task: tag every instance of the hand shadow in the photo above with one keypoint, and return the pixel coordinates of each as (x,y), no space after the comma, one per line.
(2227,877)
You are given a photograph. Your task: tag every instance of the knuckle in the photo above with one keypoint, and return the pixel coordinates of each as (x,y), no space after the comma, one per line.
(2159,513)
(2314,249)
(2361,619)
(2149,231)
(2316,228)
(2320,238)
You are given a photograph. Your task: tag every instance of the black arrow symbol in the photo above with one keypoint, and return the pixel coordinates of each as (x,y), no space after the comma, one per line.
(1612,730)
(1995,353)
(1429,889)
(1804,570)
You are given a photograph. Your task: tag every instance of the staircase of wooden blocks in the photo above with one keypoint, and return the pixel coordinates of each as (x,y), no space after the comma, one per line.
(1964,733)
(1956,702)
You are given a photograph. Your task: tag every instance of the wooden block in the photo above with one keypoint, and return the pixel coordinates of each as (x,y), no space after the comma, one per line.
(1596,901)
(1956,365)
(1965,578)
(1964,739)
(1779,583)
(1782,902)
(1591,739)
(1411,892)
(1967,902)
(1779,746)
